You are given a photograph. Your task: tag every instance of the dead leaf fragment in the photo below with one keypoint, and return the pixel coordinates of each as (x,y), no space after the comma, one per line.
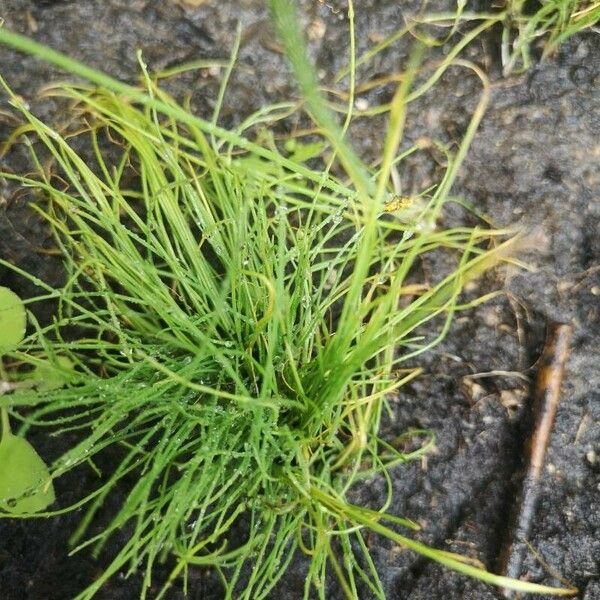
(512,400)
(191,3)
(472,391)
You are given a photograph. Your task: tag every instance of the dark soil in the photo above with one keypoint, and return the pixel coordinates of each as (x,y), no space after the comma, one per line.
(535,163)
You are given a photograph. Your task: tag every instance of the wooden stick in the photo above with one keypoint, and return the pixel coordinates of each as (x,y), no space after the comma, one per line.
(545,404)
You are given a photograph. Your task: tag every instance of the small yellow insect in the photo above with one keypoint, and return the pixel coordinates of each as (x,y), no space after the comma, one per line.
(408,209)
(398,203)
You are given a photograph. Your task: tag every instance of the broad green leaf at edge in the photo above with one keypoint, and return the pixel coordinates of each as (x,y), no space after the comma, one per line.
(25,482)
(12,320)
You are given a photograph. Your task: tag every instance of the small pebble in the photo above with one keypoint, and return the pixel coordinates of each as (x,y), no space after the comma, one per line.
(491,317)
(361,104)
(316,30)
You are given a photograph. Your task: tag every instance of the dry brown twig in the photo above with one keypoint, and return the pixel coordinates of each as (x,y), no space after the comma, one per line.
(545,405)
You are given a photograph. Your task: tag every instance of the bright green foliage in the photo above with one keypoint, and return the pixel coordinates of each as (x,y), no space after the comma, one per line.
(245,320)
(12,320)
(25,483)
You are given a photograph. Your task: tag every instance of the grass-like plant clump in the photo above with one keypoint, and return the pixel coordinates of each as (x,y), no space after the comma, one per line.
(243,318)
(551,21)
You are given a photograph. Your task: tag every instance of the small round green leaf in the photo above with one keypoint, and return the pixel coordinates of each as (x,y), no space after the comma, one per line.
(25,482)
(51,375)
(13,320)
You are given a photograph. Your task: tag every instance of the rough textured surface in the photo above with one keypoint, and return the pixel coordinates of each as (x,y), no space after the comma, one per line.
(534,161)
